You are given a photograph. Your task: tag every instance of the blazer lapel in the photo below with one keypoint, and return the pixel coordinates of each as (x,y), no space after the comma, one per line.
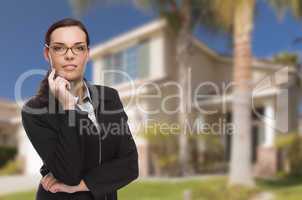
(97,94)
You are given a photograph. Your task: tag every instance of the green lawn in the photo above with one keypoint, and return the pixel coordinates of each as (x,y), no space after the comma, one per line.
(289,189)
(211,189)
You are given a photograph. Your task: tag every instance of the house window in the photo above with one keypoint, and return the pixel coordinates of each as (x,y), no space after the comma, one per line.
(132,61)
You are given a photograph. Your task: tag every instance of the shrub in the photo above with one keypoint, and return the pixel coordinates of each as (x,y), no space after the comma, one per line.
(290,147)
(163,146)
(6,154)
(210,153)
(11,167)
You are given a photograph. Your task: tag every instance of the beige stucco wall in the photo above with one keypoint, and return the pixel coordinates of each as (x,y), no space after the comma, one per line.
(205,68)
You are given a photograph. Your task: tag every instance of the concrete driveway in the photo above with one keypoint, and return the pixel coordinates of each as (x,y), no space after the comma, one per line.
(18,183)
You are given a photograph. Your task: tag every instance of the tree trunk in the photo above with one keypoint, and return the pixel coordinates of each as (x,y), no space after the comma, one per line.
(241,153)
(182,54)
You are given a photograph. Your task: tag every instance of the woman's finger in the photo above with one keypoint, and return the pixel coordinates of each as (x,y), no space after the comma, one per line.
(51,80)
(48,182)
(58,187)
(44,183)
(64,82)
(51,76)
(46,178)
(54,188)
(59,82)
(51,183)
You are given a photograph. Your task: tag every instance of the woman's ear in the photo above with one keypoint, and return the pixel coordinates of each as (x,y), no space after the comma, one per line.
(88,54)
(46,54)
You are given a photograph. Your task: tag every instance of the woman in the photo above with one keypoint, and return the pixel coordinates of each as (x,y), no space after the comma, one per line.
(79,130)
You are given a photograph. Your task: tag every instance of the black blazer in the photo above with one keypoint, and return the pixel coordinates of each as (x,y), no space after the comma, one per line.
(72,149)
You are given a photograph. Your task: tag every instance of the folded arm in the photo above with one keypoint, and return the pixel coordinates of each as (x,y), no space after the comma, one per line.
(60,148)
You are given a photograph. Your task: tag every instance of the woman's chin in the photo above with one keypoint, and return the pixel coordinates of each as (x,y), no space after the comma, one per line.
(71,76)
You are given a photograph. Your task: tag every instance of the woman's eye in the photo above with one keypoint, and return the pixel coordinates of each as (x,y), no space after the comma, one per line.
(80,48)
(58,48)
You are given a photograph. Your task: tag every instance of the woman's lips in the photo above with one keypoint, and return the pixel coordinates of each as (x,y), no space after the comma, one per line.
(69,67)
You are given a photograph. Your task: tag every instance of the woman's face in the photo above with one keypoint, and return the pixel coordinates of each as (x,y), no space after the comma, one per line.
(70,65)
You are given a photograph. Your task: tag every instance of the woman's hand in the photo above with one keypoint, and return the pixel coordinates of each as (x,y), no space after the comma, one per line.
(61,187)
(58,87)
(48,181)
(51,184)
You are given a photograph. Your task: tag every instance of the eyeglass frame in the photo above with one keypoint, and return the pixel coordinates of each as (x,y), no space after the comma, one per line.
(67,48)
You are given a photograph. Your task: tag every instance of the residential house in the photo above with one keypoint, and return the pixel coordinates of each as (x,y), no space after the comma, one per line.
(12,134)
(141,65)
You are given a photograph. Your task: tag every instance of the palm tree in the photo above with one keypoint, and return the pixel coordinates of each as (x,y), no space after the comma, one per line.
(182,16)
(281,6)
(239,15)
(286,58)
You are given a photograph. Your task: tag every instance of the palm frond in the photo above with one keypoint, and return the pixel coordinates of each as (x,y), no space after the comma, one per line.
(296,7)
(282,6)
(79,7)
(168,9)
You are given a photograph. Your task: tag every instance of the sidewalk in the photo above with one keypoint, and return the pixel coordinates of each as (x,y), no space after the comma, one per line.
(18,183)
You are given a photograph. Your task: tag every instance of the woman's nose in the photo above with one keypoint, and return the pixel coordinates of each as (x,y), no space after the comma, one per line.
(69,55)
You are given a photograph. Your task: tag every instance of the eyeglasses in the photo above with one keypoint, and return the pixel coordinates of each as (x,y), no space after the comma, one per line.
(61,49)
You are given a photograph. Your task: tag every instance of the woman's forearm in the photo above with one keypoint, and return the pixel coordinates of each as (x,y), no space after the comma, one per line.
(82,186)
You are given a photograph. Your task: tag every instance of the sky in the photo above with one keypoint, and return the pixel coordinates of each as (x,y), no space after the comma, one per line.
(24,23)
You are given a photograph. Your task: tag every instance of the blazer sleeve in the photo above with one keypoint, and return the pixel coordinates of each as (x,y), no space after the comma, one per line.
(112,175)
(61,149)
(43,170)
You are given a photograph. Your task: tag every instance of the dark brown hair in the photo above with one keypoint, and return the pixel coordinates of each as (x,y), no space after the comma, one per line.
(43,91)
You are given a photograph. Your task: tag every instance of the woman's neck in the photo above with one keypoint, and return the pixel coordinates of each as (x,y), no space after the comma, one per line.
(77,88)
